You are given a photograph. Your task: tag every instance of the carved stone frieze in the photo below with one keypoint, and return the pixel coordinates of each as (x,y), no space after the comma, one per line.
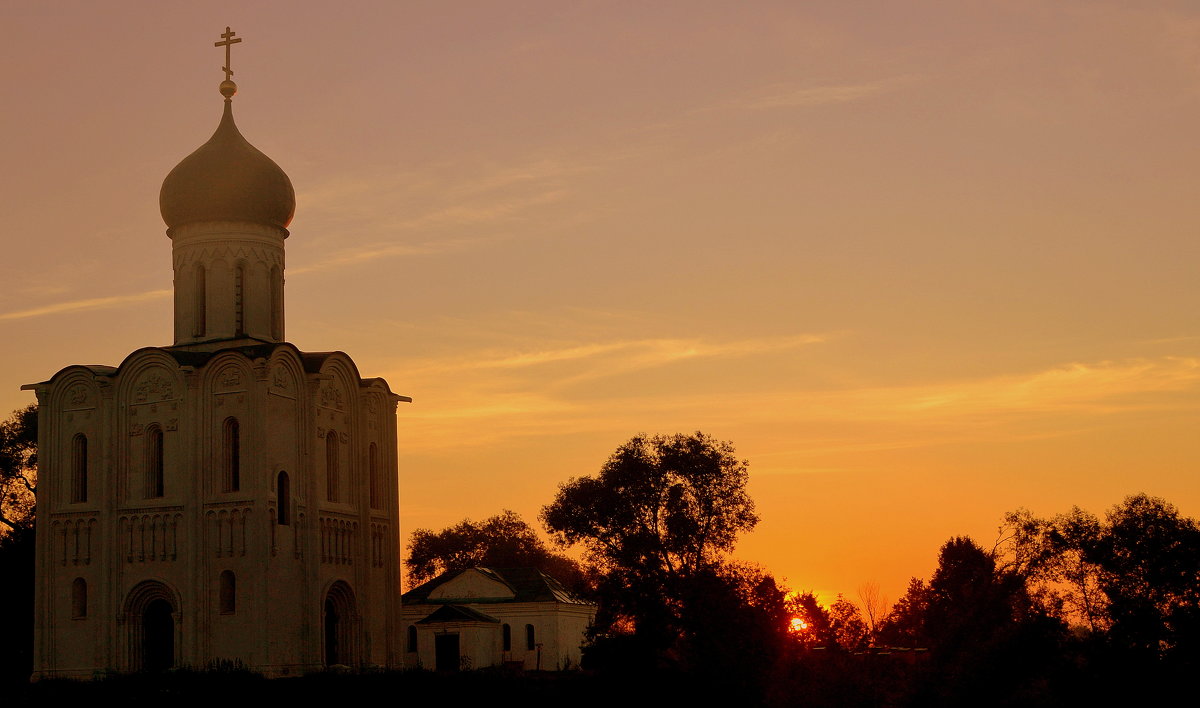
(331,397)
(154,387)
(78,395)
(281,379)
(230,377)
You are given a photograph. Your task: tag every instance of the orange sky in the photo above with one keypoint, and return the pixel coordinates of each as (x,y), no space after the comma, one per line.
(922,262)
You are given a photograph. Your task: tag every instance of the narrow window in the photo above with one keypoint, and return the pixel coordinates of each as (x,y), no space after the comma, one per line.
(201,305)
(529,638)
(228,592)
(79,468)
(506,637)
(79,598)
(239,293)
(154,462)
(412,638)
(283,499)
(331,466)
(373,470)
(276,304)
(231,477)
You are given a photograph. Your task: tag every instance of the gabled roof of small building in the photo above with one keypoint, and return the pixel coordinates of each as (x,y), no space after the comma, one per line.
(527,585)
(457,613)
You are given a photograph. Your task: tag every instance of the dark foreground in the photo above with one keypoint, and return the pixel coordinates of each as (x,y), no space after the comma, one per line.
(183,689)
(821,683)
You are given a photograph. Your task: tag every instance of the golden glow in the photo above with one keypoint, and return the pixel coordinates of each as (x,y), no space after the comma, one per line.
(916,289)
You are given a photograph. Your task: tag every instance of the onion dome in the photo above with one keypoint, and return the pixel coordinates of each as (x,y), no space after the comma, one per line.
(227,179)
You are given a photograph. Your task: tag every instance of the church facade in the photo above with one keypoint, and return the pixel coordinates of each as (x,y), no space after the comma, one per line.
(228,499)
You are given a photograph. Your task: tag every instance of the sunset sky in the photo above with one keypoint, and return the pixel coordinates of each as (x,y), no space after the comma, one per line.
(922,263)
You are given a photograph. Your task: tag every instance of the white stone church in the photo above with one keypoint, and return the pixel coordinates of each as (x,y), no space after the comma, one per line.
(228,498)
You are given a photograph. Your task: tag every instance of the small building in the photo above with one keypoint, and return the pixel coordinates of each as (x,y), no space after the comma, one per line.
(484,617)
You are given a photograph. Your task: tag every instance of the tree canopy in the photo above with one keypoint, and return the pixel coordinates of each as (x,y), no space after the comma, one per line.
(18,469)
(1133,576)
(657,521)
(501,541)
(660,505)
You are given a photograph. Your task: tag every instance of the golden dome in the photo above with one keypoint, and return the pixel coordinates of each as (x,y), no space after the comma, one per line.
(227,179)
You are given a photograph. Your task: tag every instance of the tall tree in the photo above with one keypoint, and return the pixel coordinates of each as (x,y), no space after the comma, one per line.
(18,485)
(904,625)
(662,510)
(1149,556)
(1133,577)
(502,541)
(18,469)
(849,629)
(875,608)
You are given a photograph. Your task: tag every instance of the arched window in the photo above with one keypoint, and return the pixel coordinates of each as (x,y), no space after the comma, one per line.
(373,476)
(412,638)
(231,463)
(79,598)
(228,592)
(283,499)
(506,637)
(276,303)
(331,466)
(154,462)
(530,644)
(239,302)
(79,468)
(200,319)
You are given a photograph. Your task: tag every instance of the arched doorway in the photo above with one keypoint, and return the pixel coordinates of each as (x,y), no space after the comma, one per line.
(150,616)
(158,636)
(340,623)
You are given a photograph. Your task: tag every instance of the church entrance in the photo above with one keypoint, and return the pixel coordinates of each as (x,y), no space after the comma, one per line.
(340,621)
(331,634)
(152,636)
(446,655)
(158,636)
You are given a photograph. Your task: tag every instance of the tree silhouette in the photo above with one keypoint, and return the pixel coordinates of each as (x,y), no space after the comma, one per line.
(18,484)
(502,541)
(18,469)
(662,510)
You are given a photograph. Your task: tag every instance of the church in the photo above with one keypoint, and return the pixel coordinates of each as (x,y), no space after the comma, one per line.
(229,499)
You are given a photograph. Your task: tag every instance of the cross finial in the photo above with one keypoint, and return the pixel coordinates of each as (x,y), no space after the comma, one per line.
(228,37)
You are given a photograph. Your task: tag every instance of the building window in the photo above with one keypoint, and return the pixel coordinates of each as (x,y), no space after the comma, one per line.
(412,638)
(200,323)
(239,302)
(228,592)
(79,468)
(373,476)
(530,644)
(506,637)
(231,463)
(154,462)
(331,466)
(283,499)
(79,598)
(276,303)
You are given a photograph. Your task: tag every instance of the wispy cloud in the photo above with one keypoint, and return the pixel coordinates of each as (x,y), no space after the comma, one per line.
(95,303)
(801,421)
(814,96)
(621,355)
(786,96)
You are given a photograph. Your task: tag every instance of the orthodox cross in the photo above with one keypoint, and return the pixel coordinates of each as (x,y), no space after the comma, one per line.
(229,40)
